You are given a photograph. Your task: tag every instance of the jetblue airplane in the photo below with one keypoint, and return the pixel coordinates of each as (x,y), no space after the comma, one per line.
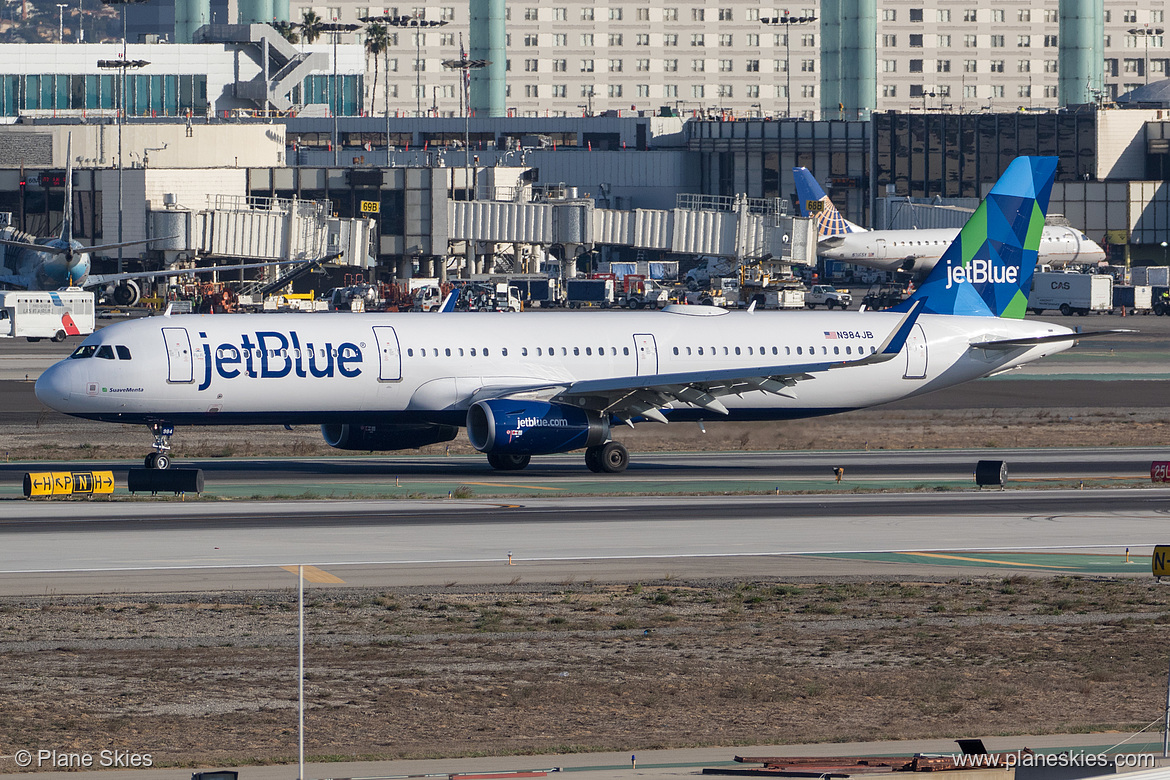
(915,250)
(525,387)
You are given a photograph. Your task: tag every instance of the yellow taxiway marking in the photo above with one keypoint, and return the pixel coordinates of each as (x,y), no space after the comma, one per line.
(313,574)
(985,560)
(508,484)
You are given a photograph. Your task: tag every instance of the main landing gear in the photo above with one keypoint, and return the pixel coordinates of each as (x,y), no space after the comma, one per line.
(159,459)
(609,458)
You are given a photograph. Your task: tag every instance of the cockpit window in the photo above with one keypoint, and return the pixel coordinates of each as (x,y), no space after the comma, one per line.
(84,351)
(123,352)
(105,352)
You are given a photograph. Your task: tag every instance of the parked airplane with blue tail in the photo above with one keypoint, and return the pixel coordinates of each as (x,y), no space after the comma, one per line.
(569,381)
(915,250)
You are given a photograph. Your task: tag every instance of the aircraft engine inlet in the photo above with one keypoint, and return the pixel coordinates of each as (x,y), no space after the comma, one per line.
(533,427)
(125,293)
(344,436)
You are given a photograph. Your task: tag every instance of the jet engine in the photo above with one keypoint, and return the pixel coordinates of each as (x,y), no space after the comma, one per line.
(345,436)
(514,427)
(125,293)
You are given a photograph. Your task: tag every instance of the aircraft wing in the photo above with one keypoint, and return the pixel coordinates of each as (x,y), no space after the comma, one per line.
(53,250)
(643,396)
(1008,344)
(96,280)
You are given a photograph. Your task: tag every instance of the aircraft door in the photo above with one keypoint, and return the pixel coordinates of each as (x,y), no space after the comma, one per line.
(879,250)
(647,353)
(389,353)
(915,354)
(179,363)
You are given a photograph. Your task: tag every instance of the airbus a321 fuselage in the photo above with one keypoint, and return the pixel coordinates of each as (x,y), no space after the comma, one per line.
(527,385)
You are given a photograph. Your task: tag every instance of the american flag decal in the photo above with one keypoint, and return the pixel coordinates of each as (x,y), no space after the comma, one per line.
(830,334)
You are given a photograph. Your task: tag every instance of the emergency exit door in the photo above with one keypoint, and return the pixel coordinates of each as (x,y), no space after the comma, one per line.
(389,354)
(179,361)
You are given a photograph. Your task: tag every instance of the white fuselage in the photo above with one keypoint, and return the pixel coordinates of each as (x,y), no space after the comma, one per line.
(918,250)
(386,368)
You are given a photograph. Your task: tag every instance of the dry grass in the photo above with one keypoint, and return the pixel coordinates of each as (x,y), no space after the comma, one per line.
(580,666)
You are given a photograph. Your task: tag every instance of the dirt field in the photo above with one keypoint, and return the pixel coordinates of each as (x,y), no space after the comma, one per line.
(56,437)
(580,666)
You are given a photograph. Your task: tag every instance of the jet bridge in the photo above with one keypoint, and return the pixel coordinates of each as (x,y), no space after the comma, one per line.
(259,229)
(745,229)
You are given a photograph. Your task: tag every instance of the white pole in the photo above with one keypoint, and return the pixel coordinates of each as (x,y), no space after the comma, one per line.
(301,672)
(1166,722)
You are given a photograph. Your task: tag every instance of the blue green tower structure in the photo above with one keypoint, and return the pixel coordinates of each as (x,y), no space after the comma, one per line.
(488,42)
(1081,62)
(848,58)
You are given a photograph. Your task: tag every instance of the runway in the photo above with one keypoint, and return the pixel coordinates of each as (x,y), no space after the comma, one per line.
(419,542)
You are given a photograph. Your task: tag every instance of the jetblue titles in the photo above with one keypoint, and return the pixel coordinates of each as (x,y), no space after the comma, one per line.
(269,354)
(982,271)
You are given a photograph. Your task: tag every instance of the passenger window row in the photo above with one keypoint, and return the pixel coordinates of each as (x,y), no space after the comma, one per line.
(524,351)
(775,350)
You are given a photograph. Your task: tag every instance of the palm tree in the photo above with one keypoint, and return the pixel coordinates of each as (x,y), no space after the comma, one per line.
(288,31)
(310,26)
(377,41)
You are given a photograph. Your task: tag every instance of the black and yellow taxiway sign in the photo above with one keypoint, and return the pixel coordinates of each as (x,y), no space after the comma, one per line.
(371,206)
(1160,561)
(68,483)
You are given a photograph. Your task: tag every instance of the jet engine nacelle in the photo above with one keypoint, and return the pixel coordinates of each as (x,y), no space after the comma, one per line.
(125,293)
(344,436)
(513,427)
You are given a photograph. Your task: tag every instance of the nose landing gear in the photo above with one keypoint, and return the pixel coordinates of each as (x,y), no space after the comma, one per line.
(159,459)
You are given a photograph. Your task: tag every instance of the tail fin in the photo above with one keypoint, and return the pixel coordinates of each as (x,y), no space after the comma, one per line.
(987,270)
(67,211)
(813,202)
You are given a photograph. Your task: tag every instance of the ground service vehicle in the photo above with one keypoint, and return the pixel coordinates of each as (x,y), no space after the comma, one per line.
(46,315)
(1133,298)
(589,292)
(828,296)
(639,292)
(1069,293)
(883,296)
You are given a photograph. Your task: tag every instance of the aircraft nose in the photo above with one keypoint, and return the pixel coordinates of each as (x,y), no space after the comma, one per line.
(53,386)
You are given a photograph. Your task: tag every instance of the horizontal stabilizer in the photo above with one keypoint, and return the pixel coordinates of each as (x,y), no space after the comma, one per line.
(1053,339)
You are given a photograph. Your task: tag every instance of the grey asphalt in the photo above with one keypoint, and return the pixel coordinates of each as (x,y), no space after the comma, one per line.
(195,545)
(651,765)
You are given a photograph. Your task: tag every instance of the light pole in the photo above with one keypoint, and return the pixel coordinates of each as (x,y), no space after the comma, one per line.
(1145,33)
(121,65)
(418,23)
(465,66)
(61,21)
(337,28)
(787,22)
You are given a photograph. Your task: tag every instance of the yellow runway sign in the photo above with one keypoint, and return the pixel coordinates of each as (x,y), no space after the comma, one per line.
(68,483)
(1160,561)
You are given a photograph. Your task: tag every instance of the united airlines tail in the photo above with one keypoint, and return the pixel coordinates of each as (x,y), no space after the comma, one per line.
(987,270)
(813,202)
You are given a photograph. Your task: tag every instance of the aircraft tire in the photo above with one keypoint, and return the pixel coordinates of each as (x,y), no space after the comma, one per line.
(149,461)
(613,458)
(593,459)
(162,461)
(502,462)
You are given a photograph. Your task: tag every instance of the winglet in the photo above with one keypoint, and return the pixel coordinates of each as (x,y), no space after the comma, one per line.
(895,342)
(449,301)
